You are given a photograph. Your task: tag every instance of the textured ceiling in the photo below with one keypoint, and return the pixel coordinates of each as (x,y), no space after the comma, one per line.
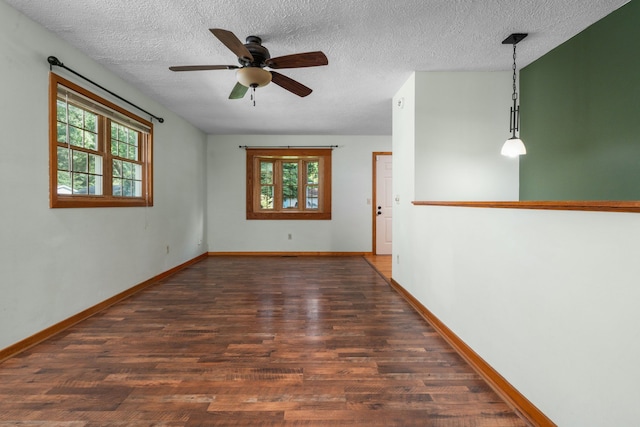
(372,46)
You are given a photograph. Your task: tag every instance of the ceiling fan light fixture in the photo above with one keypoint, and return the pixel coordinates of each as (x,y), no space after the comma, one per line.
(253,76)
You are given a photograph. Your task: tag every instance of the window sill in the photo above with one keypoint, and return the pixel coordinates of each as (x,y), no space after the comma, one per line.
(97,202)
(289,215)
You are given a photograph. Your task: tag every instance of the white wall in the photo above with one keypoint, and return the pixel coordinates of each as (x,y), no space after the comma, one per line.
(58,262)
(463,122)
(547,298)
(404,136)
(350,228)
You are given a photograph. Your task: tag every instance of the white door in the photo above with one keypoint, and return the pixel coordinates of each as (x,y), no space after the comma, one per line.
(383,204)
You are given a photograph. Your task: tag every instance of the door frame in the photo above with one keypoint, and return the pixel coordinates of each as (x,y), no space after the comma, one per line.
(374,202)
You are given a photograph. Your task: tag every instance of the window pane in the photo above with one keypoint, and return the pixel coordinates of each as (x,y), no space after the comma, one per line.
(90,122)
(80,183)
(80,161)
(75,136)
(266,197)
(133,137)
(117,168)
(137,172)
(266,173)
(122,135)
(138,189)
(75,116)
(127,170)
(127,187)
(312,173)
(95,164)
(117,187)
(312,197)
(62,132)
(63,159)
(122,150)
(124,141)
(289,185)
(64,182)
(133,153)
(92,184)
(61,111)
(90,140)
(95,184)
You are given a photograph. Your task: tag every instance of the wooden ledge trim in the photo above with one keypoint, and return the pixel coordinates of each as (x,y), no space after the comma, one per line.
(497,382)
(563,205)
(289,254)
(49,332)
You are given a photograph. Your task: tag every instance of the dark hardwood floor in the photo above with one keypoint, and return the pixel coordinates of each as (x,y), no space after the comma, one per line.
(252,341)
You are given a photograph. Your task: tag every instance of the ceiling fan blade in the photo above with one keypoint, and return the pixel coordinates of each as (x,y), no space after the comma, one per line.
(203,67)
(290,84)
(232,42)
(238,91)
(298,60)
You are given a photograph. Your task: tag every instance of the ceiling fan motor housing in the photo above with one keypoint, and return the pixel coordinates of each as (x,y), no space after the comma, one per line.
(260,53)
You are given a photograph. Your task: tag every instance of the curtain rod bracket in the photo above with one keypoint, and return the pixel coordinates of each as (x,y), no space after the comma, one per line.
(53,61)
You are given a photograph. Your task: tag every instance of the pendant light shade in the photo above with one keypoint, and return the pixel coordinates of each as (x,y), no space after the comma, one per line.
(253,77)
(513,147)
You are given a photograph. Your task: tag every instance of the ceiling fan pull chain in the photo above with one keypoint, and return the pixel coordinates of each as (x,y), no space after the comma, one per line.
(253,95)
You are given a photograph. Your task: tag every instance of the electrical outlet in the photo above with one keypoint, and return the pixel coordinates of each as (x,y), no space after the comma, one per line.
(167,248)
(289,236)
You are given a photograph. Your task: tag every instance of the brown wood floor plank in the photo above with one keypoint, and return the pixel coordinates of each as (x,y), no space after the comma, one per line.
(246,341)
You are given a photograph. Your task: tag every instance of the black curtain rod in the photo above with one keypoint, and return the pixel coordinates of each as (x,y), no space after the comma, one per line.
(288,146)
(54,61)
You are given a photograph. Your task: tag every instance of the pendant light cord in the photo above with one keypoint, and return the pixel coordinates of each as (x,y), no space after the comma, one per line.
(515,111)
(515,94)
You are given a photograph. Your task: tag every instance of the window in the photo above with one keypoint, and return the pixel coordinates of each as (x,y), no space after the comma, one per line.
(100,154)
(288,183)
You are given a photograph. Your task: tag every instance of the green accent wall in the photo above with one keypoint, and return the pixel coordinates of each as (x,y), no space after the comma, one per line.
(580,114)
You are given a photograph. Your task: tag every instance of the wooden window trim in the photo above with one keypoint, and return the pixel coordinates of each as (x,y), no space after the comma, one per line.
(106,200)
(253,183)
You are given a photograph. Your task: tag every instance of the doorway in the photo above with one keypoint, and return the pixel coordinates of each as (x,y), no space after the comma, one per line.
(382,203)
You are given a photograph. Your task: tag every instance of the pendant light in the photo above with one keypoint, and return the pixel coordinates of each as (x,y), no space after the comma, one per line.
(514,146)
(253,77)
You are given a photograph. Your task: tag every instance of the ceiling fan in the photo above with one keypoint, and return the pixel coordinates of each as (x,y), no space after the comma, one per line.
(253,57)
